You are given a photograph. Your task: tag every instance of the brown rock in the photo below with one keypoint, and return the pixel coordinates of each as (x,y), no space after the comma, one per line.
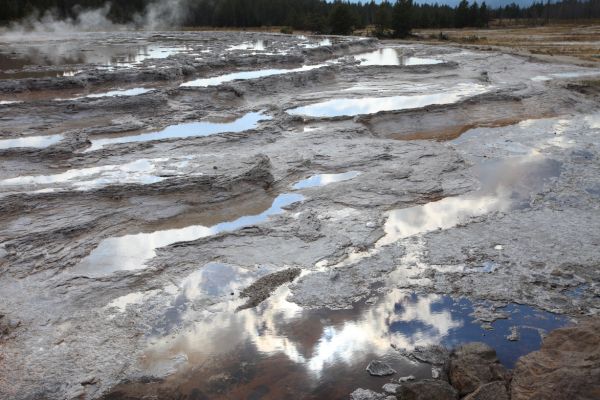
(566,367)
(473,365)
(490,391)
(427,389)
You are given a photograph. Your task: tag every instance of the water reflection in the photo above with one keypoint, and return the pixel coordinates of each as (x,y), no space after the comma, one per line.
(131,252)
(30,141)
(325,179)
(564,75)
(505,185)
(314,45)
(191,129)
(207,286)
(118,92)
(258,45)
(391,56)
(319,353)
(245,75)
(16,62)
(142,171)
(370,105)
(593,121)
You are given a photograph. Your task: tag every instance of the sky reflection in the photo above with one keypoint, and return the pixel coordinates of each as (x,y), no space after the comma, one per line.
(328,349)
(185,130)
(325,179)
(30,141)
(391,56)
(370,105)
(131,252)
(505,185)
(245,75)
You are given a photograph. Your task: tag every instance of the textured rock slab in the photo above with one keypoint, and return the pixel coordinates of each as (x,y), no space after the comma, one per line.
(566,367)
(428,389)
(490,391)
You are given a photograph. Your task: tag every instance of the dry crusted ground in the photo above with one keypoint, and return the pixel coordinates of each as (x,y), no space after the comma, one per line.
(557,41)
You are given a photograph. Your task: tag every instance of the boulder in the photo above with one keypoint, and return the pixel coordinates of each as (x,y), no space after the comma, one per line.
(490,391)
(566,367)
(473,365)
(427,389)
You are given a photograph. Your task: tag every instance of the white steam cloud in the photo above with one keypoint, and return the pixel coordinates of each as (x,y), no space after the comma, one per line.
(163,14)
(160,14)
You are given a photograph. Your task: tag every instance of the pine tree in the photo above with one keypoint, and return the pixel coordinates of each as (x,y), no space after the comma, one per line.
(461,16)
(341,19)
(402,18)
(383,19)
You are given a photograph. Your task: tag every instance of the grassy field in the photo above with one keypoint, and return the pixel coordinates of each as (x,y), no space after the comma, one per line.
(579,41)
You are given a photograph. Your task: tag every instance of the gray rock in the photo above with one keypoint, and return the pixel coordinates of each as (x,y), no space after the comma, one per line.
(379,368)
(406,378)
(390,388)
(366,394)
(260,290)
(514,334)
(428,389)
(436,355)
(436,373)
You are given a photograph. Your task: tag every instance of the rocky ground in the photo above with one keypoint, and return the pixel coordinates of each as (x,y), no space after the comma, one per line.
(172,230)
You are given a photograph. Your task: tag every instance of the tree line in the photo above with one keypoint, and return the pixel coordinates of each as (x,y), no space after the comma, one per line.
(394,19)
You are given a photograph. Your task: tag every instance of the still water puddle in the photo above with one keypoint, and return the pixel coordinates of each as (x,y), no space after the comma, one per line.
(116,93)
(320,43)
(258,45)
(505,185)
(564,75)
(37,74)
(325,179)
(186,130)
(111,93)
(371,105)
(390,56)
(246,75)
(30,141)
(279,349)
(25,61)
(593,121)
(142,171)
(131,252)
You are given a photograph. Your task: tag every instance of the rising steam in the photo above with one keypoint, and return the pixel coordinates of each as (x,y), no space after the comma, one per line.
(160,14)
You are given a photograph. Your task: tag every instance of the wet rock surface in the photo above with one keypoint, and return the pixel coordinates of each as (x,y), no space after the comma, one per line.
(490,391)
(473,365)
(260,290)
(379,368)
(567,366)
(427,389)
(136,265)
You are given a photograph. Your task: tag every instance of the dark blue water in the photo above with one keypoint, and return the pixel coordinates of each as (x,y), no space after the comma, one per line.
(531,323)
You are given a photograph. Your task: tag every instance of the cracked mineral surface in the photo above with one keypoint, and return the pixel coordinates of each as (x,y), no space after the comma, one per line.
(243,215)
